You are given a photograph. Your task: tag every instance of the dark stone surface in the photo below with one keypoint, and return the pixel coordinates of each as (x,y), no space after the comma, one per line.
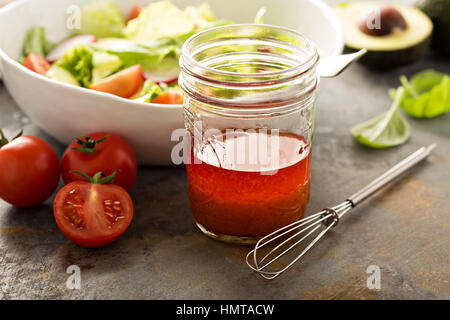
(403,229)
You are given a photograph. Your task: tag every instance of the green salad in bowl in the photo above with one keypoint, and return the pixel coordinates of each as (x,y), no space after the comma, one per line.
(134,57)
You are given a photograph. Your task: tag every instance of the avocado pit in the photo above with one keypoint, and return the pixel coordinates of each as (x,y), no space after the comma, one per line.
(381,20)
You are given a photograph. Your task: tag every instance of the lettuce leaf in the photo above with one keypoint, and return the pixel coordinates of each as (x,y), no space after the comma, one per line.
(163,19)
(102,19)
(104,65)
(386,130)
(259,18)
(205,12)
(62,75)
(427,95)
(150,91)
(149,55)
(36,42)
(78,61)
(89,64)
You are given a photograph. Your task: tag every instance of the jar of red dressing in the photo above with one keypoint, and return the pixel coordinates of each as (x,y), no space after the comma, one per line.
(249,111)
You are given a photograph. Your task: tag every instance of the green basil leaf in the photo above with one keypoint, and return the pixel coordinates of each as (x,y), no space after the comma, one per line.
(426,80)
(386,130)
(427,95)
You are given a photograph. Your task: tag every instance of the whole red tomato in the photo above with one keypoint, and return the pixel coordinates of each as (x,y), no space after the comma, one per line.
(93,213)
(105,152)
(29,170)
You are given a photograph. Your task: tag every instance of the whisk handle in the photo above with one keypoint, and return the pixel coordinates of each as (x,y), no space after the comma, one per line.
(391,174)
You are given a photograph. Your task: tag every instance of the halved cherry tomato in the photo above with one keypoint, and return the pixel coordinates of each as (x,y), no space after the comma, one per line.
(29,170)
(135,12)
(123,84)
(170,97)
(92,213)
(100,151)
(36,63)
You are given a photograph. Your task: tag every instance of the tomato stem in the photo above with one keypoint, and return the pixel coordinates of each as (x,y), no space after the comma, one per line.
(4,141)
(88,145)
(99,177)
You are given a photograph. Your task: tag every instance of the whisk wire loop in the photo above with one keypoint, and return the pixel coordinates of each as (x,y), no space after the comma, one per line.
(325,219)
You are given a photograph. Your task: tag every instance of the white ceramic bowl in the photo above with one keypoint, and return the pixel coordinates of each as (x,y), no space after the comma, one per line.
(65,111)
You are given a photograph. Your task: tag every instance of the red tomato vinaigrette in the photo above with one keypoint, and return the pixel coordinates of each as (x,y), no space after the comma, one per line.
(245,190)
(242,84)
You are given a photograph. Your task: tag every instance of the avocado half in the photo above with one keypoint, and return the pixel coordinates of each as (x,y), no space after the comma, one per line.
(439,12)
(399,47)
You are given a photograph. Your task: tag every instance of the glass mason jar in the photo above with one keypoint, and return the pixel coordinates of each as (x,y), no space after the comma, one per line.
(249,99)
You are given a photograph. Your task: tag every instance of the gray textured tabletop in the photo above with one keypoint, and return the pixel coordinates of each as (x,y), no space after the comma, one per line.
(404,229)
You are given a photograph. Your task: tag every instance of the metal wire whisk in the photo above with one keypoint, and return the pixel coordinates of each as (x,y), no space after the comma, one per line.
(281,242)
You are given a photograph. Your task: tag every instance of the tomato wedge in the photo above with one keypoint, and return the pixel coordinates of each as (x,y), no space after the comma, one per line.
(93,214)
(36,63)
(123,84)
(170,97)
(135,12)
